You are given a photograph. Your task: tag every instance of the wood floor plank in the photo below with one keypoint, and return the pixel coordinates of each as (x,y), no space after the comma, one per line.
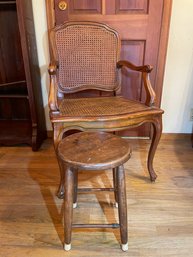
(160,214)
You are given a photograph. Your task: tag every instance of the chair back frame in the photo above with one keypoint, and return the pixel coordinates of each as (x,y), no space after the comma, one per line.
(86,54)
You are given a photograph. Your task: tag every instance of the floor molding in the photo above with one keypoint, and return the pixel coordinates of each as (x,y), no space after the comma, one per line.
(169,136)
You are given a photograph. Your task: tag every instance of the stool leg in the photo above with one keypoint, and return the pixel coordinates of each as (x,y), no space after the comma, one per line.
(68,207)
(122,206)
(75,188)
(60,192)
(115,186)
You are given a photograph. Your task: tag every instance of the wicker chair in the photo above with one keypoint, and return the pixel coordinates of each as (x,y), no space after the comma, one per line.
(86,57)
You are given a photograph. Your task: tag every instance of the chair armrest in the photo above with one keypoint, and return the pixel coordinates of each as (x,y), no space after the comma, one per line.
(146,69)
(52,98)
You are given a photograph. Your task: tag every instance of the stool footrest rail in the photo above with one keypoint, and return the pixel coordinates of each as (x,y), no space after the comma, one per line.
(95,189)
(113,225)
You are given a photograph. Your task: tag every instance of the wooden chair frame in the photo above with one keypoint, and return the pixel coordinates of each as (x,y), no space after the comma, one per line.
(150,114)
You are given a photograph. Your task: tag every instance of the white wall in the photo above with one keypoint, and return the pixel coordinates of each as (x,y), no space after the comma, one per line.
(39,11)
(177,98)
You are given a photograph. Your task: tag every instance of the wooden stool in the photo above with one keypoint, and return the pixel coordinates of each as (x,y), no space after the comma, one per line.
(94,151)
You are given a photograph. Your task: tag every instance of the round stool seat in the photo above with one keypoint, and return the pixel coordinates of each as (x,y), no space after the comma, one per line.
(94,150)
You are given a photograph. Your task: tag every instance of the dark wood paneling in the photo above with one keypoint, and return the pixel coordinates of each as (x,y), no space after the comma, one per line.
(16,108)
(21,108)
(11,131)
(11,59)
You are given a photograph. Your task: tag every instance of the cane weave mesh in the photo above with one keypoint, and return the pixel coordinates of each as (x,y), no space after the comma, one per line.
(106,106)
(87,56)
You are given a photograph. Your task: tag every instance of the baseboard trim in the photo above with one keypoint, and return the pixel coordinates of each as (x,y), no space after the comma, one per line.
(175,136)
(168,136)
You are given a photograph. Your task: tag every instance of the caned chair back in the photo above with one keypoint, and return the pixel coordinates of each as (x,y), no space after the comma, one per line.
(87,54)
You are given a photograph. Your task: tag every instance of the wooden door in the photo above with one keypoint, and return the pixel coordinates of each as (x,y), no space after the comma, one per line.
(143,28)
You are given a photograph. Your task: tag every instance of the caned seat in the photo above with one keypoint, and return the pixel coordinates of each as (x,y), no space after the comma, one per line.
(90,151)
(101,107)
(86,56)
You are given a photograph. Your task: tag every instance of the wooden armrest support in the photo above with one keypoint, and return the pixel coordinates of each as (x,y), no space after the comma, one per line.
(146,69)
(131,66)
(52,99)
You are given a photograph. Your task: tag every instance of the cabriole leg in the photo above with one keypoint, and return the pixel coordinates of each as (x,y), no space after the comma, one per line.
(157,130)
(60,192)
(57,138)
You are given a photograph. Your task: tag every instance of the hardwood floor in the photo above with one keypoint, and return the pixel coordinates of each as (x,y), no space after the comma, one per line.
(160,214)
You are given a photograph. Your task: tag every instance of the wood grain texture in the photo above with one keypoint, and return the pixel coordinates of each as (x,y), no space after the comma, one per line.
(93,151)
(160,215)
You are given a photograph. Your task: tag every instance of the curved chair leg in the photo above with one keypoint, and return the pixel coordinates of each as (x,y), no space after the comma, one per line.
(122,206)
(60,192)
(57,138)
(157,130)
(68,207)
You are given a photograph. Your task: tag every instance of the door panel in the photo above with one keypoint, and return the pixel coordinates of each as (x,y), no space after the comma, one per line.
(136,6)
(133,51)
(85,6)
(139,24)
